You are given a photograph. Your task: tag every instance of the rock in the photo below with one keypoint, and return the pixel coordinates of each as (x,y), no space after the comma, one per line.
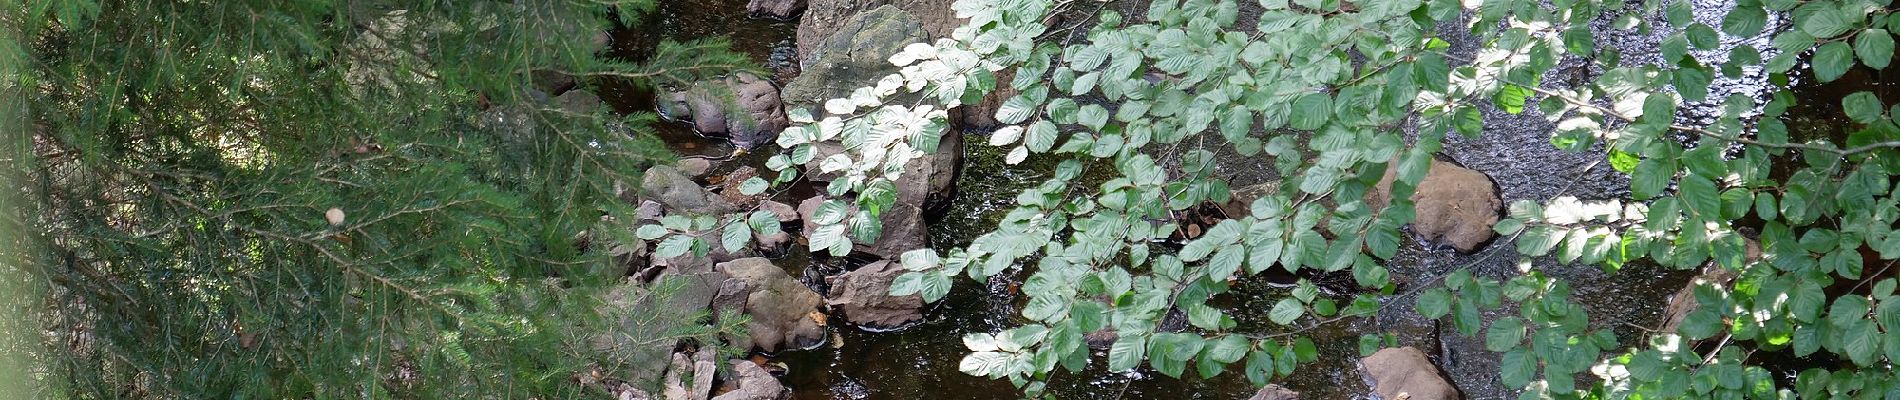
(931,182)
(807,209)
(904,229)
(857,55)
(649,211)
(1454,205)
(1683,301)
(785,212)
(745,108)
(774,244)
(678,192)
(864,298)
(1275,392)
(1240,204)
(1101,339)
(784,10)
(702,369)
(784,312)
(579,102)
(694,166)
(1405,373)
(729,188)
(552,82)
(825,19)
(982,114)
(750,382)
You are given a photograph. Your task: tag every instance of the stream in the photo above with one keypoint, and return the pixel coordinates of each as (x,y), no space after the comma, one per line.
(921,361)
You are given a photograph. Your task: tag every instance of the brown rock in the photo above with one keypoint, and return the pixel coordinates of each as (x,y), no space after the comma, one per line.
(1405,373)
(743,107)
(775,9)
(730,188)
(678,193)
(823,18)
(751,382)
(784,312)
(1275,392)
(1454,205)
(864,297)
(785,212)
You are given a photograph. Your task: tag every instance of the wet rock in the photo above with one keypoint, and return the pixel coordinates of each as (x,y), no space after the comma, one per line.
(904,229)
(785,212)
(1453,204)
(784,312)
(772,245)
(864,298)
(857,55)
(1275,392)
(775,9)
(694,166)
(1405,373)
(729,188)
(578,101)
(751,382)
(824,19)
(743,107)
(678,192)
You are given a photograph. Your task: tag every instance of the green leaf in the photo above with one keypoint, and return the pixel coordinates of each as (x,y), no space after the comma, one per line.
(650,232)
(1516,368)
(1311,111)
(1286,311)
(1227,349)
(1822,20)
(1862,106)
(1744,21)
(1651,178)
(1092,116)
(1226,262)
(735,236)
(1434,303)
(1504,334)
(1832,60)
(753,186)
(1700,195)
(674,246)
(1016,110)
(1259,367)
(1875,48)
(1862,343)
(1700,324)
(1041,136)
(1127,353)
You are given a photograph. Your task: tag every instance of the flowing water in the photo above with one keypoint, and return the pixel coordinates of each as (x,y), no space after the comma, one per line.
(920,362)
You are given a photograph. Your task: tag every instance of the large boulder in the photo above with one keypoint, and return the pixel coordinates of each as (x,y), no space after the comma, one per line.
(825,19)
(857,55)
(1454,205)
(750,382)
(1405,373)
(784,312)
(743,107)
(904,229)
(775,9)
(678,193)
(864,298)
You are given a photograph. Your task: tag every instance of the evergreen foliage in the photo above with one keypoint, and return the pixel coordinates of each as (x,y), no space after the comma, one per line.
(1329,90)
(298,199)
